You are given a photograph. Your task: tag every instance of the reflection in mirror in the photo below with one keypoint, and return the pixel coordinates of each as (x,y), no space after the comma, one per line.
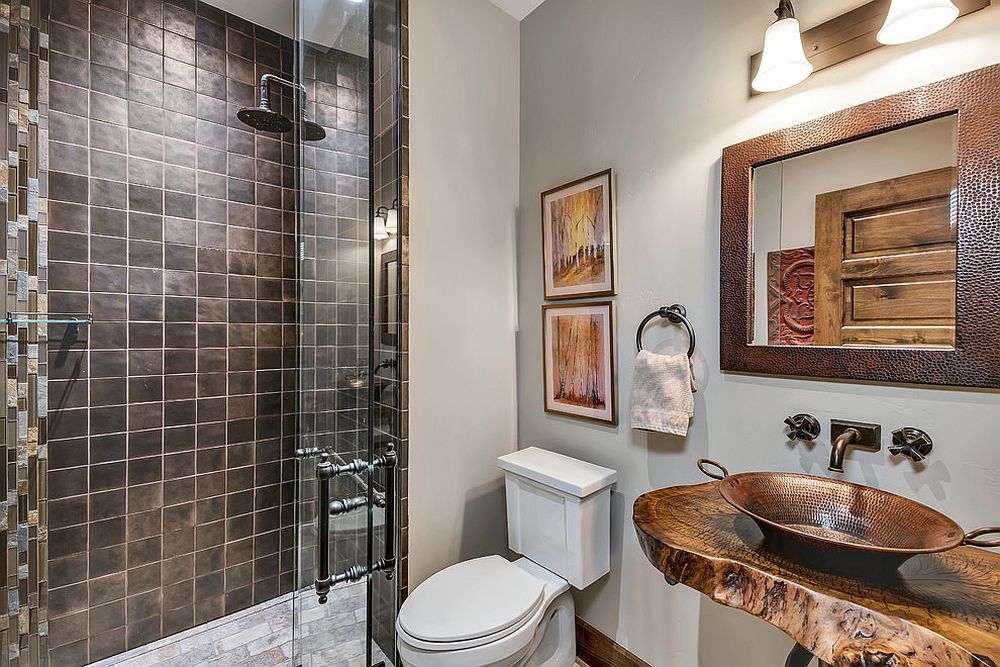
(388,297)
(855,245)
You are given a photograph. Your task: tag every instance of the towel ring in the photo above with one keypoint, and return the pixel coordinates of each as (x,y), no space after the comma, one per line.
(676,314)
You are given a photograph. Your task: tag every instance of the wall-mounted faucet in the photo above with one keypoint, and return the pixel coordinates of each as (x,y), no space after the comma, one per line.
(852,434)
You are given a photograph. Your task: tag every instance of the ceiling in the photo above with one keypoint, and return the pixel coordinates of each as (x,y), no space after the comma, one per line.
(517,8)
(332,23)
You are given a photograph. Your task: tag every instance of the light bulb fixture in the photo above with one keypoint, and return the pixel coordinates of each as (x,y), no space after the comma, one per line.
(783,63)
(389,218)
(379,232)
(910,20)
(392,220)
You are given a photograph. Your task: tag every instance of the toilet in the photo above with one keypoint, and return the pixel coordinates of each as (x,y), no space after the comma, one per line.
(491,612)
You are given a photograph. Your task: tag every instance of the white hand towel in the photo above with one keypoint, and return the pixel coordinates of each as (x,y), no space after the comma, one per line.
(662,393)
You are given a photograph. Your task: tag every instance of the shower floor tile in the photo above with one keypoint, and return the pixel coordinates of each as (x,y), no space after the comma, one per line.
(333,635)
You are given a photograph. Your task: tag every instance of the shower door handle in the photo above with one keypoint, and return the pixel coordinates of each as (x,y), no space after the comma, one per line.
(324,471)
(389,461)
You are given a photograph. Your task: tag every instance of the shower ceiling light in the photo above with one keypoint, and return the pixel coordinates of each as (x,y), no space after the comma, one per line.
(784,63)
(910,20)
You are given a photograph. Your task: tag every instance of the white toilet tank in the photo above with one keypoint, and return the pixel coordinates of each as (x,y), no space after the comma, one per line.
(559,513)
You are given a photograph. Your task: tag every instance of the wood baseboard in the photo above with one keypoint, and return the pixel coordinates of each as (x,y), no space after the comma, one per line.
(596,650)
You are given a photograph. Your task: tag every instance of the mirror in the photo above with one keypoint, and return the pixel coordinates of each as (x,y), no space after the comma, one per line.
(863,245)
(855,245)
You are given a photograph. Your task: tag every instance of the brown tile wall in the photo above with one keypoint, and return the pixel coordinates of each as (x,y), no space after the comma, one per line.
(333,307)
(172,417)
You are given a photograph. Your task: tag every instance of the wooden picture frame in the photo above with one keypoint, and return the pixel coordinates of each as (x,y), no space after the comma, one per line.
(578,361)
(578,249)
(975,359)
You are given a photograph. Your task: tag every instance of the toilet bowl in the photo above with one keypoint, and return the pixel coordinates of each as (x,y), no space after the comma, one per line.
(490,612)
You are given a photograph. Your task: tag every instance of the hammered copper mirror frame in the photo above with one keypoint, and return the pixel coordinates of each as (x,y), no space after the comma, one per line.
(975,361)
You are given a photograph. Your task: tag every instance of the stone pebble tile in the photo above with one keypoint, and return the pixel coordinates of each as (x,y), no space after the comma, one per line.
(333,635)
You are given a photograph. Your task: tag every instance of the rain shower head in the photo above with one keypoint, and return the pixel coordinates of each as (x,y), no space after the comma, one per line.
(312,131)
(264,118)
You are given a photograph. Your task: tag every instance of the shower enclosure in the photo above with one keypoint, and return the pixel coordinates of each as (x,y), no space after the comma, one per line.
(349,357)
(205,332)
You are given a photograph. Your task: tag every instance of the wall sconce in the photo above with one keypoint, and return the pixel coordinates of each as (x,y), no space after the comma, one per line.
(386,222)
(864,29)
(392,220)
(784,62)
(910,20)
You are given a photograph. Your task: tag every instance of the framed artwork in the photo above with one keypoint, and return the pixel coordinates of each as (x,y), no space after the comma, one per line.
(578,350)
(578,238)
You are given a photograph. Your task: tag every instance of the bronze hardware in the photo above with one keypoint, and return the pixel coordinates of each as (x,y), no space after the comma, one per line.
(803,427)
(703,462)
(971,541)
(852,434)
(912,442)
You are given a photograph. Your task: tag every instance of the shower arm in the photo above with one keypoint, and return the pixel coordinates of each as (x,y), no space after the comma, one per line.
(265,90)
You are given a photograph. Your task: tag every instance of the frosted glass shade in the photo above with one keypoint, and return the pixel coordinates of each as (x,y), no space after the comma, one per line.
(380,233)
(392,221)
(910,20)
(783,63)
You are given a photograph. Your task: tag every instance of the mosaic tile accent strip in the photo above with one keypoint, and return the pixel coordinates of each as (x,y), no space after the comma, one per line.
(23,186)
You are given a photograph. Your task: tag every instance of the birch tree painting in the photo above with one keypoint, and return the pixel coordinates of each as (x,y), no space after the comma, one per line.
(578,238)
(579,370)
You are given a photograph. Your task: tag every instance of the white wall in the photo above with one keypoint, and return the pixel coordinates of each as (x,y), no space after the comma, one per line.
(656,89)
(463,206)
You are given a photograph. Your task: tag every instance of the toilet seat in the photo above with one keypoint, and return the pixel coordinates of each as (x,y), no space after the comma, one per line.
(504,648)
(470,604)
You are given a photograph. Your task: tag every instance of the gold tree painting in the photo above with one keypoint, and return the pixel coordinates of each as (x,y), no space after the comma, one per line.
(579,364)
(578,238)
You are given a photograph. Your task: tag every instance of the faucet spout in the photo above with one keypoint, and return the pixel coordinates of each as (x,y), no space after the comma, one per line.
(849,437)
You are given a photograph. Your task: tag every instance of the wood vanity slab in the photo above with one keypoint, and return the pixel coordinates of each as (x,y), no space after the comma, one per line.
(942,610)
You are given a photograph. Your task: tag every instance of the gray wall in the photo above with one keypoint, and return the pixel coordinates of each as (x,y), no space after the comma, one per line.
(656,90)
(463,199)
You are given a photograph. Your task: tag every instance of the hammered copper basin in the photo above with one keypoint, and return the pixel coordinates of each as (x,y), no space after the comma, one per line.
(839,525)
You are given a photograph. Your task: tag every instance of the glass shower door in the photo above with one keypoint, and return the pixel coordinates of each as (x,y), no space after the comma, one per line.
(348,423)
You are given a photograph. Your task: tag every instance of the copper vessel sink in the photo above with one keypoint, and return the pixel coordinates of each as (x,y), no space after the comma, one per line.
(839,526)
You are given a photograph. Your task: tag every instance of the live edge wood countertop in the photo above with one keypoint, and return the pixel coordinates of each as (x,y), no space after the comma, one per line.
(943,610)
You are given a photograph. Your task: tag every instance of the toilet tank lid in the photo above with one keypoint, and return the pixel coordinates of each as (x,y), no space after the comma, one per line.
(569,475)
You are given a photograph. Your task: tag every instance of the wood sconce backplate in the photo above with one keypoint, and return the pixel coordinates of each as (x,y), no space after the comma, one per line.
(851,35)
(975,361)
